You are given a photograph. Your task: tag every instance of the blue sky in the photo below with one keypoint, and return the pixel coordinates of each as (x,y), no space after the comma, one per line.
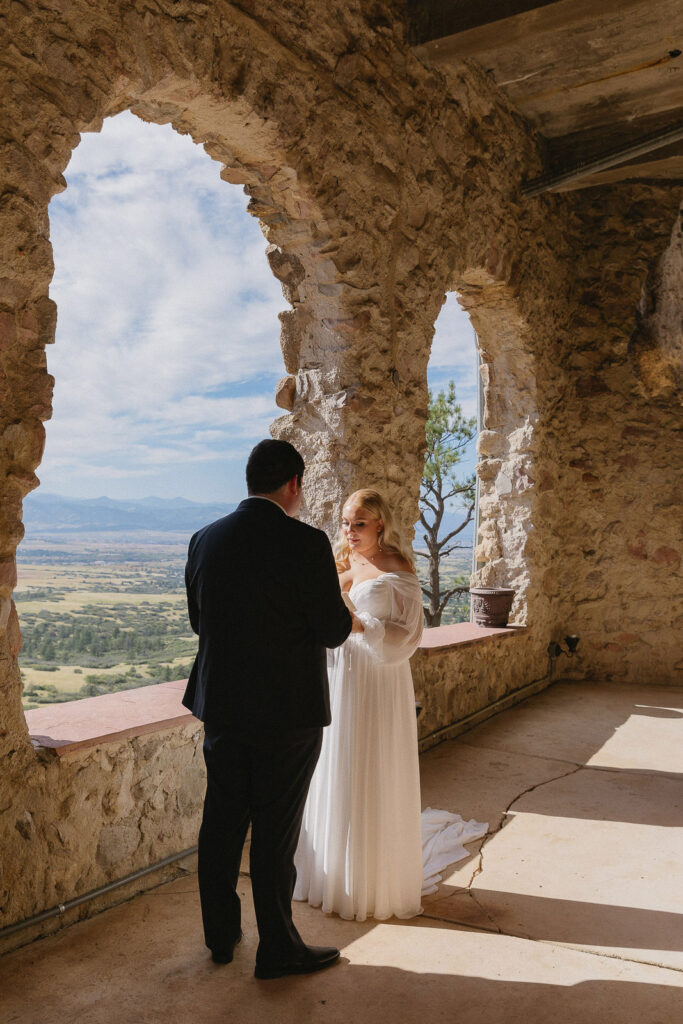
(167,350)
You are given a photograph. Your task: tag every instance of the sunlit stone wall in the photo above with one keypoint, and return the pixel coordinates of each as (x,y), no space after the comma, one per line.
(380,186)
(614,496)
(96,815)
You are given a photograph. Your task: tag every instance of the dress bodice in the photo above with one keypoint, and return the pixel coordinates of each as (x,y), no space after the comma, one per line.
(390,607)
(373,596)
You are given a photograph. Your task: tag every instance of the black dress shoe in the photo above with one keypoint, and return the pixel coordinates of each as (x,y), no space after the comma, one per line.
(311,958)
(224,956)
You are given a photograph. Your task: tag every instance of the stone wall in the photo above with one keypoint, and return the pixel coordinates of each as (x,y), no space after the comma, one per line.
(372,180)
(80,821)
(380,186)
(615,502)
(580,455)
(453,683)
(656,345)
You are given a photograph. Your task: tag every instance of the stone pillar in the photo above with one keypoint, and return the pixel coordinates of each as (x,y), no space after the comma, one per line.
(355,344)
(27,323)
(507,447)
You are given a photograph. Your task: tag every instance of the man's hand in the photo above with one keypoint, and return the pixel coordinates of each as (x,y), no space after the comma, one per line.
(357,626)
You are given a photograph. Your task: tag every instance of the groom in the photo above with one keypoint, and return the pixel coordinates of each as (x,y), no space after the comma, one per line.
(263,595)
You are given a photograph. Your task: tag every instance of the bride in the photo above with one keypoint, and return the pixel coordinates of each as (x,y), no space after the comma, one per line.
(362,843)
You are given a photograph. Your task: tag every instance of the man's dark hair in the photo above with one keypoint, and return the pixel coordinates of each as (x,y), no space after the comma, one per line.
(271,464)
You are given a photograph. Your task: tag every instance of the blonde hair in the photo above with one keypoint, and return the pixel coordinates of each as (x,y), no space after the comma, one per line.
(389,537)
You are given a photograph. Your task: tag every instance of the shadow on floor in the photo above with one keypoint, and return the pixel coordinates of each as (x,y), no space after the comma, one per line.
(548,919)
(167,993)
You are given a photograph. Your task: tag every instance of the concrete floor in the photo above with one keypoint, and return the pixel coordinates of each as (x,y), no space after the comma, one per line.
(571,909)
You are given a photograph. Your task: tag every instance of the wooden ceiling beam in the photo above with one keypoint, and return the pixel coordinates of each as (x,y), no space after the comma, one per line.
(587,144)
(590,78)
(435,19)
(561,179)
(467,33)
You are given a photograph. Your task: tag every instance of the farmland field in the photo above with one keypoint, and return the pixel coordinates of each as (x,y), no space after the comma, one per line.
(97,617)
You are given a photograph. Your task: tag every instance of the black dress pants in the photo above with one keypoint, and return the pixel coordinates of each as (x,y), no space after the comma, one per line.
(263,779)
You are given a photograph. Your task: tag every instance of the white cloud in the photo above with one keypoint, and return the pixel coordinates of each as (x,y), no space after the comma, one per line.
(167,348)
(454,355)
(165,302)
(454,343)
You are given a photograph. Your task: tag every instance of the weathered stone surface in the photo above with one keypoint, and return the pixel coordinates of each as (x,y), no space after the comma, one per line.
(117,845)
(285,393)
(98,815)
(656,345)
(458,681)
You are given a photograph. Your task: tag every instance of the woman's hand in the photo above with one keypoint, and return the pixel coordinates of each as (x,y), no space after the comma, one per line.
(357,625)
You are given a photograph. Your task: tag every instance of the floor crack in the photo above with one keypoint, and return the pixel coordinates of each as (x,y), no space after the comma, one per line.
(539,785)
(578,764)
(486,913)
(601,953)
(479,865)
(530,789)
(494,924)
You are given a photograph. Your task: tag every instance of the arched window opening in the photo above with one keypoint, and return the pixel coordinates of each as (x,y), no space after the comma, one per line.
(445,533)
(166,362)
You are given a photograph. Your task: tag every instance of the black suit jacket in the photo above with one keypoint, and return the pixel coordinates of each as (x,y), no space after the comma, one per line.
(263,595)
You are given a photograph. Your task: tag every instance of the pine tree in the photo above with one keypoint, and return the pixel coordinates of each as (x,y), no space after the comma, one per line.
(448,434)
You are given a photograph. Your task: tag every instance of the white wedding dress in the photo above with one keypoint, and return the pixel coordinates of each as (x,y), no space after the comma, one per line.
(363,850)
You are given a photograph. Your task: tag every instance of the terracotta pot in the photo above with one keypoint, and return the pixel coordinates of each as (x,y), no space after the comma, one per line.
(491,605)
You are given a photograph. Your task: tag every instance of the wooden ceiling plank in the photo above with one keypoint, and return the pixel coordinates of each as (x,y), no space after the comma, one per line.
(669,170)
(573,66)
(556,21)
(587,144)
(435,19)
(584,169)
(600,54)
(646,94)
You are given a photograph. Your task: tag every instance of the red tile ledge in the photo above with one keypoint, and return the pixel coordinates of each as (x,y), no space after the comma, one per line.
(92,721)
(440,638)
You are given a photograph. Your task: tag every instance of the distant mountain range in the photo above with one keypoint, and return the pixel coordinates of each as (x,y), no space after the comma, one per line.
(53,514)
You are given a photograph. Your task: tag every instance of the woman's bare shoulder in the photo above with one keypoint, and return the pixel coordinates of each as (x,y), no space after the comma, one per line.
(395,563)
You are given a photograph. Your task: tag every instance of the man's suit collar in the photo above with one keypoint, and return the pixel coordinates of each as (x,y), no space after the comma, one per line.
(257,503)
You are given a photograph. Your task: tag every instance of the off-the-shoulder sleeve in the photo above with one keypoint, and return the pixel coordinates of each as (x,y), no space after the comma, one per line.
(395,639)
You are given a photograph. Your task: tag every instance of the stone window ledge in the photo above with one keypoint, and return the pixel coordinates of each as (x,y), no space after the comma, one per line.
(79,725)
(83,724)
(461,634)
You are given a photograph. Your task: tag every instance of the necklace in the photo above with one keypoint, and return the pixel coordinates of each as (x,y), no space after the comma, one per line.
(368,558)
